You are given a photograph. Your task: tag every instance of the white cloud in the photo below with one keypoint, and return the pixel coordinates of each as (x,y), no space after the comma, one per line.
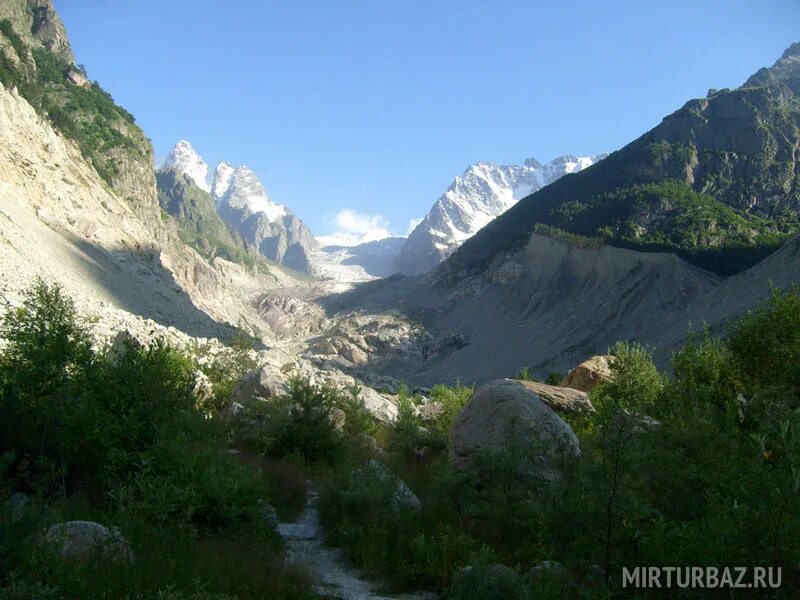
(353,227)
(412,225)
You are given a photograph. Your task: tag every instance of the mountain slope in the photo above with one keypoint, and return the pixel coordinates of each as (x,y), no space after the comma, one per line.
(199,225)
(273,229)
(717,182)
(483,192)
(79,202)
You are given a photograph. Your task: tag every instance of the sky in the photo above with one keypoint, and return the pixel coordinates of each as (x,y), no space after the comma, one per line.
(357,114)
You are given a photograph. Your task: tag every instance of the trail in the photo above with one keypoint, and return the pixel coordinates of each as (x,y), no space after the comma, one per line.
(332,577)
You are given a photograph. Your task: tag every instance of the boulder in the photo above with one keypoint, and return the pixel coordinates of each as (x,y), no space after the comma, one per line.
(561,399)
(505,413)
(124,340)
(486,582)
(430,410)
(337,418)
(378,405)
(589,374)
(264,383)
(232,412)
(87,540)
(403,497)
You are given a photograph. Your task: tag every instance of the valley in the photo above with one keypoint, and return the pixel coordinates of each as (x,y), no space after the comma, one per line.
(178,348)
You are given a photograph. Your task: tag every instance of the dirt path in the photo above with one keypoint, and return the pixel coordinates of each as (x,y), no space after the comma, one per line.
(332,577)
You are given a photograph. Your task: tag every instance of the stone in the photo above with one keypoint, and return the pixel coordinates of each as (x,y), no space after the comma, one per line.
(561,399)
(264,383)
(232,412)
(486,582)
(202,389)
(403,497)
(87,540)
(377,405)
(337,418)
(589,374)
(503,413)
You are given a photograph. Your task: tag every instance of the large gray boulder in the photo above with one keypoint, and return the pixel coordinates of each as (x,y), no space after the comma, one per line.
(260,384)
(505,413)
(87,540)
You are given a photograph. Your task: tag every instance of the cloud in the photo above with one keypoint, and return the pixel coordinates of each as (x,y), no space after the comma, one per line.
(359,227)
(412,225)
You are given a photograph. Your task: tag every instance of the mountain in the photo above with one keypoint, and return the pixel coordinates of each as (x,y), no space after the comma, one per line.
(483,192)
(239,199)
(717,182)
(79,202)
(273,229)
(194,212)
(185,160)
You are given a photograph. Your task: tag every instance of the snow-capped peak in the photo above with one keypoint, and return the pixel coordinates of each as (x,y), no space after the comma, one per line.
(184,159)
(483,192)
(222,179)
(240,188)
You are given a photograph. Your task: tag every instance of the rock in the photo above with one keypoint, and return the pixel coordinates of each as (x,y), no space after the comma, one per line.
(337,418)
(505,412)
(349,351)
(589,374)
(123,341)
(87,540)
(202,389)
(264,383)
(561,399)
(232,412)
(403,497)
(377,405)
(77,78)
(486,582)
(430,411)
(546,568)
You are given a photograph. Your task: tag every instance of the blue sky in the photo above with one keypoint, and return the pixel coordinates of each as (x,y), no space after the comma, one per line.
(375,105)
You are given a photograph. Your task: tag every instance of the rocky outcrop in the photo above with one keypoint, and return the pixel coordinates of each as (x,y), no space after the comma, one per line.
(259,384)
(589,374)
(87,541)
(560,399)
(504,414)
(37,22)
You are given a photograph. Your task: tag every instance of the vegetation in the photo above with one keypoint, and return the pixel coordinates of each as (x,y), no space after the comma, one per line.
(120,440)
(721,198)
(198,223)
(701,468)
(105,132)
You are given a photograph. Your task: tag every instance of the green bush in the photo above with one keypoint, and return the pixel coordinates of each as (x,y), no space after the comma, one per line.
(119,440)
(297,425)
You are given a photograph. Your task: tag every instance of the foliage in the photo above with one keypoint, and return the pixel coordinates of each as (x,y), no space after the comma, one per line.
(702,468)
(118,439)
(104,131)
